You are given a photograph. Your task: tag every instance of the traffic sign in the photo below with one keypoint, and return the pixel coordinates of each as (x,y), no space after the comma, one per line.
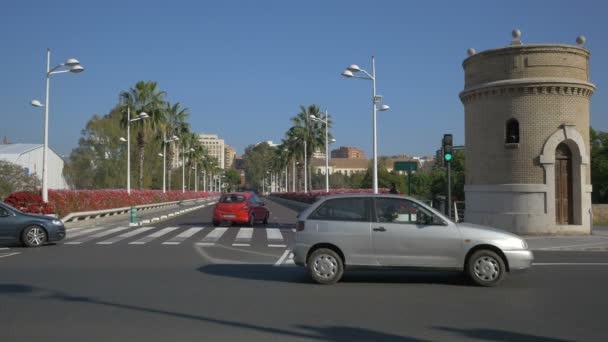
(406,166)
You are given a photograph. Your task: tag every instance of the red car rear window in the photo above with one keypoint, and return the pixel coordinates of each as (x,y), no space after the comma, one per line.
(232,199)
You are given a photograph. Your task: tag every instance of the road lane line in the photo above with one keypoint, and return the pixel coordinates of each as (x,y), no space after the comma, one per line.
(213,237)
(587,244)
(241,245)
(280,261)
(243,237)
(183,236)
(570,264)
(96,236)
(3,248)
(125,235)
(10,254)
(153,236)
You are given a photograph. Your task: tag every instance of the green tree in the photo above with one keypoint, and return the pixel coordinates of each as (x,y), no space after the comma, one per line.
(599,165)
(258,160)
(99,161)
(233,180)
(14,178)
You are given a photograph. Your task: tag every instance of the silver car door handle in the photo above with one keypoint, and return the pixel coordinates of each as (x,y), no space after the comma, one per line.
(379,229)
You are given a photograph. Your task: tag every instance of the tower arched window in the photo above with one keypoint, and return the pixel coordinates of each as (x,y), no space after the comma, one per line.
(512,132)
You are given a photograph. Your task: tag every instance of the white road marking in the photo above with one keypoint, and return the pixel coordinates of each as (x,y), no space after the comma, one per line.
(213,237)
(570,264)
(183,236)
(243,237)
(153,236)
(3,248)
(274,234)
(241,244)
(125,235)
(95,236)
(10,254)
(280,261)
(82,232)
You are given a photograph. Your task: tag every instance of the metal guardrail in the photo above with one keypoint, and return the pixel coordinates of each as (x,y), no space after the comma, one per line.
(88,215)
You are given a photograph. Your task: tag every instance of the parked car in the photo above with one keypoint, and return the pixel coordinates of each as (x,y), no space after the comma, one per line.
(31,230)
(240,208)
(392,231)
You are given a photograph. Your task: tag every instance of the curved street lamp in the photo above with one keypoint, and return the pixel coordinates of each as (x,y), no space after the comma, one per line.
(75,67)
(351,72)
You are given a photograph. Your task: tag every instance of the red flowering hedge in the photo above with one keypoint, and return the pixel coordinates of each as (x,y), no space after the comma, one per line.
(314,195)
(63,202)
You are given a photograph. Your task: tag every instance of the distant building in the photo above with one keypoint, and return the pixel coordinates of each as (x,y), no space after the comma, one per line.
(229,154)
(348,152)
(29,156)
(215,147)
(318,153)
(344,166)
(239,163)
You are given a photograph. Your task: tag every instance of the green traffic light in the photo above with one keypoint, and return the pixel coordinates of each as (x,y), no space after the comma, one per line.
(448,156)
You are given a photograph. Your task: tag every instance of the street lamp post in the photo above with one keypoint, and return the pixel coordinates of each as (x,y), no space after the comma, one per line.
(350,73)
(326,122)
(75,67)
(305,169)
(165,141)
(141,116)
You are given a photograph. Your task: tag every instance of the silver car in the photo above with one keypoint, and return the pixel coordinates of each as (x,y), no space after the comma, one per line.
(366,230)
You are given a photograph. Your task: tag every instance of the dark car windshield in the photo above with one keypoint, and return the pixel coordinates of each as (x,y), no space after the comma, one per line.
(232,199)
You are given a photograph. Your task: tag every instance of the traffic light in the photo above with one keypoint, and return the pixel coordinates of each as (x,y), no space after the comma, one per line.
(447,147)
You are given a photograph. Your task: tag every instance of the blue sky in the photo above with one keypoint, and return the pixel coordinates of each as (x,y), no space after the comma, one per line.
(243,68)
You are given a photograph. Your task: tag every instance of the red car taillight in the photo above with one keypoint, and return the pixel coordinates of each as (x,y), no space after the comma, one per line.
(300,226)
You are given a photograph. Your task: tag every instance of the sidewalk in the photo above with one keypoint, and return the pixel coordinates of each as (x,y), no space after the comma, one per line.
(598,241)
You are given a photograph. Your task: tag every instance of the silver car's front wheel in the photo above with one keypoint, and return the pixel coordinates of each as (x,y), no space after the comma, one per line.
(486,268)
(325,266)
(34,236)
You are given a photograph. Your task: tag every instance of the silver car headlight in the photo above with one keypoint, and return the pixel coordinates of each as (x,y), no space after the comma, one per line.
(57,222)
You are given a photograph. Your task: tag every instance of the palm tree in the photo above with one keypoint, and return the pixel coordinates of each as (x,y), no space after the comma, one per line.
(304,129)
(144,97)
(174,121)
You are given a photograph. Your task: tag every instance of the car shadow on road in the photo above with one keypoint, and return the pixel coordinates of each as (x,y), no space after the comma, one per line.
(288,274)
(257,272)
(499,335)
(313,333)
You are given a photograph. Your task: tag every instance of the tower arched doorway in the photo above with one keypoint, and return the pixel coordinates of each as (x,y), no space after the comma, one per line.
(564,202)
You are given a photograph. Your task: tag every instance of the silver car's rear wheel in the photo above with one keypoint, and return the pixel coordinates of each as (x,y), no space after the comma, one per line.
(34,236)
(325,266)
(486,268)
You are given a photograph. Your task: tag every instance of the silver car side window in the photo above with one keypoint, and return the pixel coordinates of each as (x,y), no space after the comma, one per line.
(341,209)
(396,210)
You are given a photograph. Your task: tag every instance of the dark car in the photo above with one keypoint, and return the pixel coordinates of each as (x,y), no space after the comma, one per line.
(240,208)
(31,230)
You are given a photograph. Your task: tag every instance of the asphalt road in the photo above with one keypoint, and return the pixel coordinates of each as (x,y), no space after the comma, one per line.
(174,282)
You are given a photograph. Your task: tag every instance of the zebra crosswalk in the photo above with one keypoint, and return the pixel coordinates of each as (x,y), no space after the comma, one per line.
(270,237)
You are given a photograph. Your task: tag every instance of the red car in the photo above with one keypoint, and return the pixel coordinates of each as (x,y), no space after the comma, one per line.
(240,208)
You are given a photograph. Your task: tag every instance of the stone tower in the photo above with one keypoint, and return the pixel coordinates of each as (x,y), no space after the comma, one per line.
(527,137)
